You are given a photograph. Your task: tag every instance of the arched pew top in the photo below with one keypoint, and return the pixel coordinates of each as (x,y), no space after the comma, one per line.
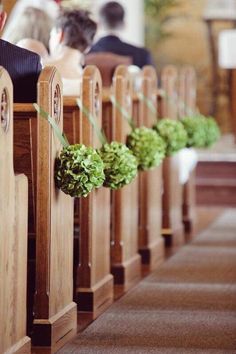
(148,89)
(121,90)
(169,83)
(149,73)
(6,123)
(91,100)
(50,93)
(189,79)
(106,63)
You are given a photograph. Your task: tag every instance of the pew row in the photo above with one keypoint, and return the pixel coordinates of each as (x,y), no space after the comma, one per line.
(93,279)
(125,259)
(151,243)
(13,234)
(54,314)
(180,100)
(172,200)
(187,106)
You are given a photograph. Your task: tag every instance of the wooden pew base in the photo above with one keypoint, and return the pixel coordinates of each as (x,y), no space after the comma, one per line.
(189,224)
(153,255)
(56,331)
(127,273)
(23,346)
(174,237)
(97,298)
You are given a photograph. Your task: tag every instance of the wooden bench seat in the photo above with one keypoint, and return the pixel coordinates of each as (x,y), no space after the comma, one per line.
(54,314)
(187,106)
(13,231)
(151,243)
(93,279)
(173,231)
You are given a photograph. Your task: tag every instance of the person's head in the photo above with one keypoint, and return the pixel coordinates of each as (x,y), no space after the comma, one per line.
(3,17)
(112,15)
(33,23)
(74,29)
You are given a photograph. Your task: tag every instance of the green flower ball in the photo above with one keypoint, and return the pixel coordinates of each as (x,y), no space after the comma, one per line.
(173,133)
(78,170)
(212,131)
(147,146)
(120,165)
(195,128)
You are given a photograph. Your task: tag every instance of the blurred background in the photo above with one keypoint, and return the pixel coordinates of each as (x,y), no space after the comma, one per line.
(179,32)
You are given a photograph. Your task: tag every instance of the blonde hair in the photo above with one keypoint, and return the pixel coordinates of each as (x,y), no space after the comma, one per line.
(34,23)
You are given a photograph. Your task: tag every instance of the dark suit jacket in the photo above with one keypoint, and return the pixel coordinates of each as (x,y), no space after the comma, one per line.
(113,44)
(24,68)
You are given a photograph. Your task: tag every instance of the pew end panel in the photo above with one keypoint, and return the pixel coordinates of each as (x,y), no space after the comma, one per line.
(151,244)
(55,318)
(94,282)
(172,198)
(125,260)
(13,231)
(187,88)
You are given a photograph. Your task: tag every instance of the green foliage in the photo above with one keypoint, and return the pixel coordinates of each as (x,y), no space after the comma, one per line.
(120,165)
(78,170)
(173,133)
(157,15)
(159,8)
(202,131)
(212,131)
(195,128)
(147,146)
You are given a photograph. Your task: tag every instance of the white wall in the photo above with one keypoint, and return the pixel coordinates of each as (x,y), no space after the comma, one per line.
(134,9)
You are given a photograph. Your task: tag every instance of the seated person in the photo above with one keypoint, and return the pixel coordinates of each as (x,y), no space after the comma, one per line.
(18,19)
(33,23)
(112,19)
(72,34)
(22,65)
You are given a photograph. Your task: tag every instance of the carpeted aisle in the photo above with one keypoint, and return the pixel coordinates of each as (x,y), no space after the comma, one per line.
(187,306)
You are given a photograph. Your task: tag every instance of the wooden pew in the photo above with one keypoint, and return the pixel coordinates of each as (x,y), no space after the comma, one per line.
(106,62)
(55,315)
(172,189)
(151,243)
(187,106)
(94,282)
(125,260)
(13,234)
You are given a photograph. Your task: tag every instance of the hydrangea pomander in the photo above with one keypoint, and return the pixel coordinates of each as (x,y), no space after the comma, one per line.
(173,133)
(78,170)
(147,146)
(120,165)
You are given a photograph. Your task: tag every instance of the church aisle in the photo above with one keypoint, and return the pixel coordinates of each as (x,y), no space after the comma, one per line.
(187,306)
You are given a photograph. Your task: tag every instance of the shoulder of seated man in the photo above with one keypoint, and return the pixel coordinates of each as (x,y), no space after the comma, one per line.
(19,50)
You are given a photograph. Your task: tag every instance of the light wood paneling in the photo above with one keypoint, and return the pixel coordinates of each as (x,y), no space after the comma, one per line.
(172,188)
(151,244)
(13,234)
(94,283)
(126,262)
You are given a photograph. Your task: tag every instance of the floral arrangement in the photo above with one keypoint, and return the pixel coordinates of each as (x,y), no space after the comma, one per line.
(78,170)
(202,131)
(147,146)
(195,128)
(212,131)
(120,165)
(173,133)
